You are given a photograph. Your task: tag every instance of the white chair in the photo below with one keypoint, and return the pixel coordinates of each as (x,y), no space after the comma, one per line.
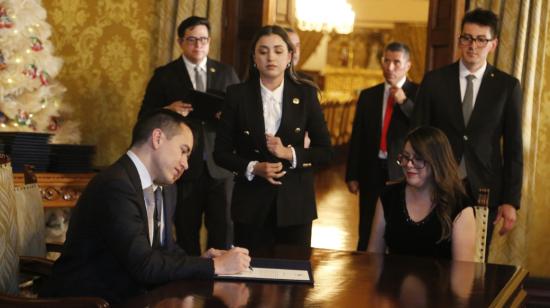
(12,265)
(482,216)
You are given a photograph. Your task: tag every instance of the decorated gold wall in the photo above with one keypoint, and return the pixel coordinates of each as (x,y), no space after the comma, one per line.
(106,47)
(110,49)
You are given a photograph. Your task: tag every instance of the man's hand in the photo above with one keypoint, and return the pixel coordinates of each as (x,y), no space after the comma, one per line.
(213,253)
(180,107)
(233,261)
(508,213)
(269,171)
(353,187)
(398,95)
(276,147)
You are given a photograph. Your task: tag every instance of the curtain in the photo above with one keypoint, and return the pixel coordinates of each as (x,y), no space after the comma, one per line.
(523,50)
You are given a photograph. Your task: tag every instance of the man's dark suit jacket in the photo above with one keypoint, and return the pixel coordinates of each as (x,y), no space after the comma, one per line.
(241,139)
(172,83)
(367,130)
(492,141)
(107,252)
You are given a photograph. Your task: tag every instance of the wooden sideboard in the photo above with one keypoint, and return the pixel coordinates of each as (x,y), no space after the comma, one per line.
(58,189)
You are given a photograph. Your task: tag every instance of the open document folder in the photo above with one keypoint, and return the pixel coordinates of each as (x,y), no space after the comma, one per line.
(277,270)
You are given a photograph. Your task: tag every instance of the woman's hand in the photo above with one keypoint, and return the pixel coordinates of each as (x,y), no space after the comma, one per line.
(269,171)
(276,147)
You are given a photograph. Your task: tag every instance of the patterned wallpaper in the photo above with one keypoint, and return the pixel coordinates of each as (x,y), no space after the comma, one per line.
(107,48)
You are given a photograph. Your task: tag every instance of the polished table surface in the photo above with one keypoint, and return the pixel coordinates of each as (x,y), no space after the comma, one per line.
(352,279)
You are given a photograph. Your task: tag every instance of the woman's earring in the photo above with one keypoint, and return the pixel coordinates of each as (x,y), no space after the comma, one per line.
(288,65)
(254,65)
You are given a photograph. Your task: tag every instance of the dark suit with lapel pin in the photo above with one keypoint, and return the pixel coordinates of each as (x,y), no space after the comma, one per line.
(108,252)
(491,143)
(241,139)
(207,186)
(364,164)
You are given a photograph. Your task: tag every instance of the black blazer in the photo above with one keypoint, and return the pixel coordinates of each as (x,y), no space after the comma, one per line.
(492,141)
(241,139)
(107,252)
(367,129)
(171,83)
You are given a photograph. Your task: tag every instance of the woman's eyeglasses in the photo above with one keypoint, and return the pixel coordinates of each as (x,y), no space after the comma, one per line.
(404,159)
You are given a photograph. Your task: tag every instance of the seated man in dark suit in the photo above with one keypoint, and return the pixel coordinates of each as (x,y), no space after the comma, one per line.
(119,242)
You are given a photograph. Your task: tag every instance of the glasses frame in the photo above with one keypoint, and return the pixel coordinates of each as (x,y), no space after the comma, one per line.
(418,163)
(467,40)
(192,40)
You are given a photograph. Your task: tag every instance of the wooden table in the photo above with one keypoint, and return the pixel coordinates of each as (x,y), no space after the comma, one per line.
(58,189)
(351,279)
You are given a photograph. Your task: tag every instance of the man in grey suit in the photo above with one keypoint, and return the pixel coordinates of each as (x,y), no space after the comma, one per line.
(479,108)
(119,243)
(207,187)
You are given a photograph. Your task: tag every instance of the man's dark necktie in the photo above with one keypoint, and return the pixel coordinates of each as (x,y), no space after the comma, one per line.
(156,218)
(467,107)
(468,101)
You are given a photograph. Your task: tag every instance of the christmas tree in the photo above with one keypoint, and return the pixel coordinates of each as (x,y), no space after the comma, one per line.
(30,97)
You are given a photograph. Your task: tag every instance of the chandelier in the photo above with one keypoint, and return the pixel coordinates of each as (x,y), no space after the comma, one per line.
(325,16)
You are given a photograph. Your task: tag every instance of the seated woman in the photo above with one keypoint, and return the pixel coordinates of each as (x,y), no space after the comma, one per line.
(426,214)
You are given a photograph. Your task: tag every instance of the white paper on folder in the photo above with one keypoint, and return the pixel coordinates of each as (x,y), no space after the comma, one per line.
(272,274)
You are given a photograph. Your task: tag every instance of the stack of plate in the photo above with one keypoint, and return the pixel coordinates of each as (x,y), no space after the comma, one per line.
(71,158)
(26,148)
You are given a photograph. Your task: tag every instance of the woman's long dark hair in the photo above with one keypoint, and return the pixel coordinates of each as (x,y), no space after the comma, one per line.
(448,194)
(253,72)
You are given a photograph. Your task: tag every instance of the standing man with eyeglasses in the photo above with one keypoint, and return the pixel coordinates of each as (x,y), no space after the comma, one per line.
(480,110)
(380,126)
(206,188)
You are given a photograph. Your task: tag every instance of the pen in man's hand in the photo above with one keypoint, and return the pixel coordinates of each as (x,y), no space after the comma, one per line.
(249,267)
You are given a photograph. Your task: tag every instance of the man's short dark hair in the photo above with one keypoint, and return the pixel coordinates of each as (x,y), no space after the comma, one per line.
(398,46)
(191,22)
(167,120)
(483,18)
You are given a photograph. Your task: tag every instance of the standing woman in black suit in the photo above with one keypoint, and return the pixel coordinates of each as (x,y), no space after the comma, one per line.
(260,138)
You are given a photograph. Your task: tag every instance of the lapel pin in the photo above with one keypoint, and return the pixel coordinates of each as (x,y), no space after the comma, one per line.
(297,130)
(295,101)
(492,74)
(212,70)
(246,132)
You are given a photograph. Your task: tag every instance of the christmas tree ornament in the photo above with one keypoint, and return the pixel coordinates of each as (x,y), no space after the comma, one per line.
(3,118)
(54,123)
(22,118)
(44,77)
(31,71)
(36,44)
(3,64)
(5,21)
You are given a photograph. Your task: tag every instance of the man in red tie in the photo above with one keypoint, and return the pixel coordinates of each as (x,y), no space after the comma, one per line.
(379,128)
